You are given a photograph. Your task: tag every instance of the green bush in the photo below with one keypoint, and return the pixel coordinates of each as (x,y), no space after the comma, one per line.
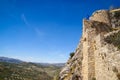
(72,54)
(117,14)
(93,78)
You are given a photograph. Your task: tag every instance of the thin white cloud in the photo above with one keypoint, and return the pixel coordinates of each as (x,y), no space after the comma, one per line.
(24,20)
(35,29)
(39,32)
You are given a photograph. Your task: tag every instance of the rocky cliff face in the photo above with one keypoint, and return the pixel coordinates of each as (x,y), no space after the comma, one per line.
(97,56)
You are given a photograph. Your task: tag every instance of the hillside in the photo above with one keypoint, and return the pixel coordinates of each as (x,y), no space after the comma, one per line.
(27,71)
(17,61)
(97,56)
(10,60)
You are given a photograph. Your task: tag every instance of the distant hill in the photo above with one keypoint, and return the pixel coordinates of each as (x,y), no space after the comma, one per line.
(10,60)
(52,64)
(14,69)
(28,71)
(22,71)
(17,61)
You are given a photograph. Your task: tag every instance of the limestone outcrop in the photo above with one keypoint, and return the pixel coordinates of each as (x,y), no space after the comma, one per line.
(97,56)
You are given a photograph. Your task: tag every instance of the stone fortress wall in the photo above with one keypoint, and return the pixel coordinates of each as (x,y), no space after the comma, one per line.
(94,58)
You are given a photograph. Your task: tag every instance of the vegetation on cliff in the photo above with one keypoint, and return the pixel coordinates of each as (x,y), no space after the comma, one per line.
(114,39)
(72,54)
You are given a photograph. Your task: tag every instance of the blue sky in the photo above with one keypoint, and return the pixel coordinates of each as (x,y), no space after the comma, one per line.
(44,30)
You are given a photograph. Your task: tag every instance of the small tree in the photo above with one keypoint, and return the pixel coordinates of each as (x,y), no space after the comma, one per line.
(72,54)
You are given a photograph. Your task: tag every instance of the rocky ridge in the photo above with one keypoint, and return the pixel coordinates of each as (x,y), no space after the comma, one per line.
(97,56)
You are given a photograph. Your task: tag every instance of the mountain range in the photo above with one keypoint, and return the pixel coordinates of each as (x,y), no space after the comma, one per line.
(17,61)
(15,69)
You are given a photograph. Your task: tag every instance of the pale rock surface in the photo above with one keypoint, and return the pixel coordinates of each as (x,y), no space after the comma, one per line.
(96,59)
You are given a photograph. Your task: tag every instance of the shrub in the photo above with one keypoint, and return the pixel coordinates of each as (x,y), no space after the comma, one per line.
(72,54)
(114,39)
(117,14)
(118,75)
(93,78)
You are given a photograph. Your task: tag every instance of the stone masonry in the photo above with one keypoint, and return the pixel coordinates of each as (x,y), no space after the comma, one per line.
(96,59)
